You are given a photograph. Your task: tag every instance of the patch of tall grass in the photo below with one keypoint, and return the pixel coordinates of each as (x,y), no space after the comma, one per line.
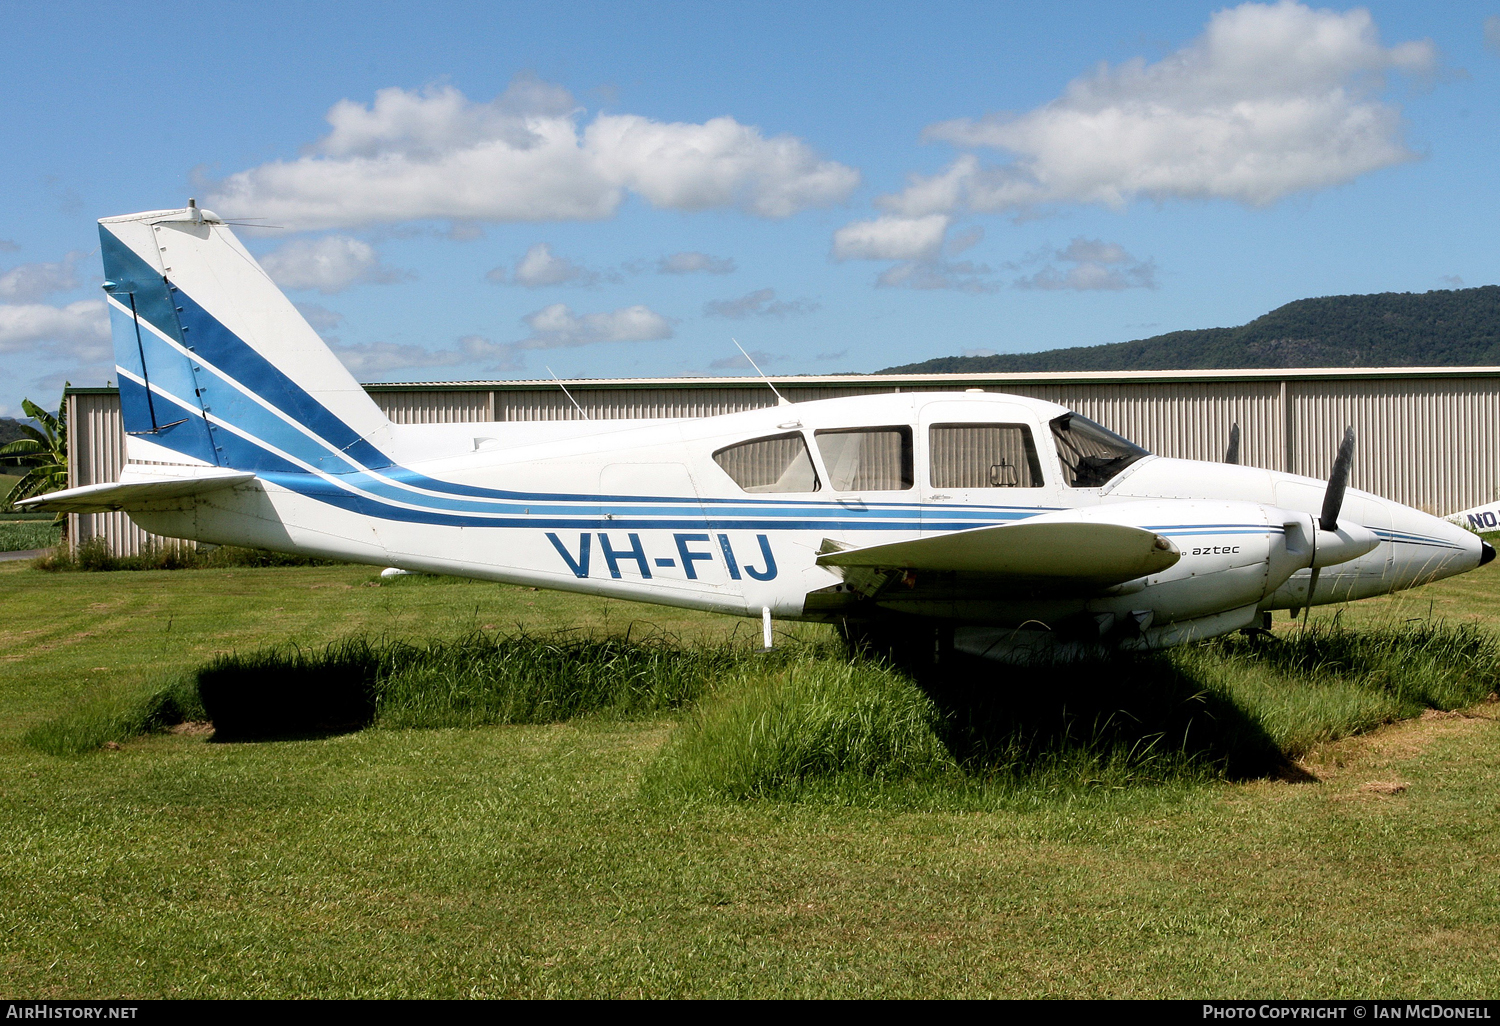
(973,730)
(821,725)
(115,718)
(478,680)
(532,679)
(811,722)
(969,731)
(1326,681)
(357,682)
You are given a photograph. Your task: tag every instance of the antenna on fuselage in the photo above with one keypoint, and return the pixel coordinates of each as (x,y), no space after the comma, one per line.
(560,385)
(781,400)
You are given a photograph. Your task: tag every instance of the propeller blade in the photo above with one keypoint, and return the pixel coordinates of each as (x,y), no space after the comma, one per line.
(1312,586)
(1333,499)
(1232,454)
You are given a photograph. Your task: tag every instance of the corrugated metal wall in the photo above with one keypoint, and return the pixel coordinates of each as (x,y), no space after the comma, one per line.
(549,402)
(1433,443)
(96,453)
(436,406)
(628,403)
(1428,440)
(1189,420)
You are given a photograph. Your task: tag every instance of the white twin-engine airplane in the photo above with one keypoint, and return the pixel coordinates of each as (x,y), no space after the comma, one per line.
(907,514)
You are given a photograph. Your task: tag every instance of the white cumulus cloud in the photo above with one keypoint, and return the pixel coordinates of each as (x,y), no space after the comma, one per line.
(557,327)
(79,329)
(524,156)
(692,262)
(27,283)
(552,327)
(541,267)
(1270,100)
(891,237)
(330,264)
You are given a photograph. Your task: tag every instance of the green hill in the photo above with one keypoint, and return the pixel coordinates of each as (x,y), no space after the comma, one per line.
(1449,328)
(10,429)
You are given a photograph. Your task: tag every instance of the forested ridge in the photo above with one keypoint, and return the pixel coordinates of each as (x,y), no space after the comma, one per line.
(10,430)
(1448,328)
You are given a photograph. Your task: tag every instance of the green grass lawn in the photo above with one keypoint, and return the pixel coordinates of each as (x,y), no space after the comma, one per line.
(528,860)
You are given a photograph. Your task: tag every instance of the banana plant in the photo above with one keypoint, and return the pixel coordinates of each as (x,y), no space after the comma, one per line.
(43,452)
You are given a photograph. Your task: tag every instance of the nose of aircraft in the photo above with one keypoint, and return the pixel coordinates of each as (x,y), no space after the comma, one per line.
(1475,551)
(1428,548)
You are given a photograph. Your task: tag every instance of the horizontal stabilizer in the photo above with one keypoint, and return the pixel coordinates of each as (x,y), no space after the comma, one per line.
(135,494)
(1092,554)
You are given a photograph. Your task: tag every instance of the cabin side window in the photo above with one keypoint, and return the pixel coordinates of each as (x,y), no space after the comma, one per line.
(1091,454)
(867,459)
(780,463)
(983,456)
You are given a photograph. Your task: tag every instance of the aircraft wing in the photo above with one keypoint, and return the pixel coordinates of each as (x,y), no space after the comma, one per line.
(135,494)
(1077,553)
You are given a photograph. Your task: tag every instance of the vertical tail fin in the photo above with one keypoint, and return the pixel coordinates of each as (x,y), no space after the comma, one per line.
(216,366)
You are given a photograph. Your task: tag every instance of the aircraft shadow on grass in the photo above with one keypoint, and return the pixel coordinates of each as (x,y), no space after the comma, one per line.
(1142,716)
(289,700)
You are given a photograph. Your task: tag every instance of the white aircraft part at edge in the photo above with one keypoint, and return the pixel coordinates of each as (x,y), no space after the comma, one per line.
(1479,518)
(1005,515)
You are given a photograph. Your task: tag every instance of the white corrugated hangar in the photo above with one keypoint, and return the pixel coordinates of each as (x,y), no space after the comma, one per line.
(1429,437)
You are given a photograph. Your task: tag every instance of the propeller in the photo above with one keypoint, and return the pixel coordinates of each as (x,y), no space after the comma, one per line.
(1333,502)
(1232,454)
(1338,481)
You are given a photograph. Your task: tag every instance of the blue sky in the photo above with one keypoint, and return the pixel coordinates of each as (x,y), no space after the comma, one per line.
(486,190)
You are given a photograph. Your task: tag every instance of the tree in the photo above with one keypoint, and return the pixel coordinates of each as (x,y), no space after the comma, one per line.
(43,451)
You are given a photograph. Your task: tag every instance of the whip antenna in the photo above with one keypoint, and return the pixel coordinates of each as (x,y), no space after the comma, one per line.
(560,385)
(781,400)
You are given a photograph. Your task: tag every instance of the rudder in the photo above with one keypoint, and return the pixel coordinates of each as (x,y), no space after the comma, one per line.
(216,366)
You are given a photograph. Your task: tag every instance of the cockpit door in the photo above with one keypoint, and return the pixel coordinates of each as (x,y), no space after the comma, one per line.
(982,463)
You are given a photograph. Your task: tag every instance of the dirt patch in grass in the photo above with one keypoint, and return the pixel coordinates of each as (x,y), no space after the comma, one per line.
(1387,747)
(193,728)
(1385,786)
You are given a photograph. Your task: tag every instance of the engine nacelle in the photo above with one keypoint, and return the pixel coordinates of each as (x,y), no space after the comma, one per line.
(1234,555)
(1349,541)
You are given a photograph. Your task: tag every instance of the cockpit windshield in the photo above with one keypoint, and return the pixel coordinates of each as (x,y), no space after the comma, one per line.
(1091,454)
